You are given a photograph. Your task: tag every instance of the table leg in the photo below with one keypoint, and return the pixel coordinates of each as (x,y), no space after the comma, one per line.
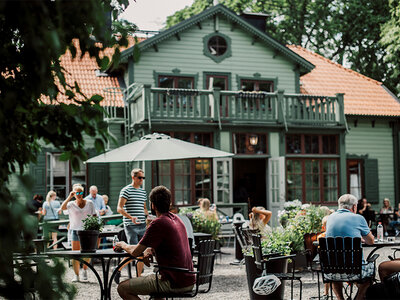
(102,289)
(115,272)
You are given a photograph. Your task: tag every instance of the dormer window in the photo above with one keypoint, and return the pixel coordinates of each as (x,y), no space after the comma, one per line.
(217,46)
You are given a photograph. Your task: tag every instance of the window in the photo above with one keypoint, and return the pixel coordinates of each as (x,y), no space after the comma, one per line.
(311,144)
(248,85)
(61,177)
(217,46)
(354,179)
(312,178)
(188,179)
(176,82)
(250,143)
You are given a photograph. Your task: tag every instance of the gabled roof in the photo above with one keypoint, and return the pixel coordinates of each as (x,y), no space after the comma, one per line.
(210,12)
(85,72)
(362,95)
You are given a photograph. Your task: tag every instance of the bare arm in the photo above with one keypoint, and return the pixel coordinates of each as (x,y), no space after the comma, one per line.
(122,211)
(64,204)
(369,239)
(134,250)
(264,212)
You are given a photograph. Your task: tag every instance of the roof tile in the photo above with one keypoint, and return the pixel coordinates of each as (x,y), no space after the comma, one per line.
(363,95)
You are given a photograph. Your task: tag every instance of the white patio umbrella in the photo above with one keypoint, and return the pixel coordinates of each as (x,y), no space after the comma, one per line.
(157,146)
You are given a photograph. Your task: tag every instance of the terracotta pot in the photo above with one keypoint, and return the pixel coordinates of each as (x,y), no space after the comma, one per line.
(272,267)
(88,240)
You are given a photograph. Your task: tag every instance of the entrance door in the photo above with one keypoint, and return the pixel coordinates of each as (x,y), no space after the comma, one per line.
(250,181)
(276,184)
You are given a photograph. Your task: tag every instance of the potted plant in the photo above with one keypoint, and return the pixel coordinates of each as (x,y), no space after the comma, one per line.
(300,219)
(92,226)
(202,224)
(277,242)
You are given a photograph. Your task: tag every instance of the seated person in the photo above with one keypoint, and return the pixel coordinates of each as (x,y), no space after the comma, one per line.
(395,224)
(259,218)
(386,209)
(364,209)
(387,268)
(166,238)
(206,210)
(346,223)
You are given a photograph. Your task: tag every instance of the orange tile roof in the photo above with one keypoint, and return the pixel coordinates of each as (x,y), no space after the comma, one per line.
(363,95)
(83,71)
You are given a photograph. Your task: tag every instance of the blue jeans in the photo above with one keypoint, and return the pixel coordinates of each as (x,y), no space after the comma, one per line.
(395,224)
(134,233)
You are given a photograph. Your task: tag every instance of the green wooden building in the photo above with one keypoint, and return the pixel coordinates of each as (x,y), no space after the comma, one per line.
(300,126)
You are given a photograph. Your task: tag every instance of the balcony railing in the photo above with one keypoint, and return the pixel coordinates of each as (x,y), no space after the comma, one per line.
(158,104)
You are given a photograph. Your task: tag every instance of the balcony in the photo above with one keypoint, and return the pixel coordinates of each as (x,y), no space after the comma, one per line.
(154,105)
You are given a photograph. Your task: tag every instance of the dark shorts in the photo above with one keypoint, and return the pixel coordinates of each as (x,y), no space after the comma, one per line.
(134,233)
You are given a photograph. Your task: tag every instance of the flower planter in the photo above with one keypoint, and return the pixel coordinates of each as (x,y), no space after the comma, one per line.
(273,267)
(88,240)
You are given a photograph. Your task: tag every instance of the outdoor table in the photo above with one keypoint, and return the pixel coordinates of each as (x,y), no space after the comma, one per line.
(105,256)
(378,245)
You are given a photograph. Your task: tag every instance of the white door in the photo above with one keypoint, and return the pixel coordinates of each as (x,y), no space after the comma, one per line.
(276,185)
(222,176)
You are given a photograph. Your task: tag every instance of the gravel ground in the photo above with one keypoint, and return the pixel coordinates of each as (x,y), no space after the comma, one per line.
(229,281)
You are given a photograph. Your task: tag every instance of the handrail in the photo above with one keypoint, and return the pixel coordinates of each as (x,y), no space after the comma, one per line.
(66,221)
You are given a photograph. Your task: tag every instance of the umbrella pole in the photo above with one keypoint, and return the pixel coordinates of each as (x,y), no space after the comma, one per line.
(157,180)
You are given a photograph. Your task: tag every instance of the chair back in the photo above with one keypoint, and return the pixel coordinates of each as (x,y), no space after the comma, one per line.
(311,249)
(257,251)
(205,263)
(340,255)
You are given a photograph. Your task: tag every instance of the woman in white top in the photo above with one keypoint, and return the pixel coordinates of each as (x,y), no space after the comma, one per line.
(77,211)
(51,210)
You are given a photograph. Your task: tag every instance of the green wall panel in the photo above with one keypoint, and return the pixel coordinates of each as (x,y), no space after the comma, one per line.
(187,56)
(377,143)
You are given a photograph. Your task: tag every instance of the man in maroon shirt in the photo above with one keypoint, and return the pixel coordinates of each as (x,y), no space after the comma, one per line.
(166,238)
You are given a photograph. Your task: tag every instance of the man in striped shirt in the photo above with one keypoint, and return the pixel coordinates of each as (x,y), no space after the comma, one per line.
(132,206)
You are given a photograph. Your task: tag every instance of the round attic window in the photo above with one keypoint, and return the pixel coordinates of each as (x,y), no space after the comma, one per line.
(217,45)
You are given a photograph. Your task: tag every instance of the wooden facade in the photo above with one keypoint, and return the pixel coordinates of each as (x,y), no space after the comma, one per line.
(224,94)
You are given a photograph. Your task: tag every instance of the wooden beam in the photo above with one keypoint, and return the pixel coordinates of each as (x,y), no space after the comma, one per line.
(199,25)
(177,36)
(155,47)
(254,40)
(233,25)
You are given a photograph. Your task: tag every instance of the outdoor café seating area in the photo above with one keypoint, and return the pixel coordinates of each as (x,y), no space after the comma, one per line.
(235,260)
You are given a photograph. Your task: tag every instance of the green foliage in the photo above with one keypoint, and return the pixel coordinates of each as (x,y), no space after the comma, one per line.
(345,31)
(297,220)
(93,223)
(201,223)
(279,241)
(33,35)
(390,39)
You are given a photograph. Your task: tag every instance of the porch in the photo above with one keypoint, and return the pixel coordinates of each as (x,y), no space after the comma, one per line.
(154,105)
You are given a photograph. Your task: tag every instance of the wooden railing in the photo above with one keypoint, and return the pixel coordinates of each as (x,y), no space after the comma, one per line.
(158,104)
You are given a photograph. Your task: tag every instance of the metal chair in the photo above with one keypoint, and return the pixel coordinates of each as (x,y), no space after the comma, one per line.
(262,263)
(341,261)
(204,272)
